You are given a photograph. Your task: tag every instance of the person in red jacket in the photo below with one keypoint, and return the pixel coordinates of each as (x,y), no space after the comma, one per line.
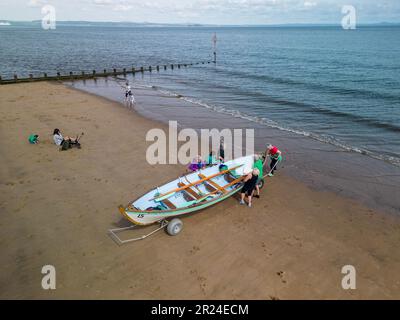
(275,155)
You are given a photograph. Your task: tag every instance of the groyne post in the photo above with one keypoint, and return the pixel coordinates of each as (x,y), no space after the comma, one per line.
(93,74)
(214,40)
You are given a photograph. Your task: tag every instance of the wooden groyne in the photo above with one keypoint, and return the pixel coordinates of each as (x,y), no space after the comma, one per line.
(97,74)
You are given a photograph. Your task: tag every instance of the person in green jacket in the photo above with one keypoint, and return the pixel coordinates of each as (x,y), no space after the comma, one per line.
(33,139)
(258,164)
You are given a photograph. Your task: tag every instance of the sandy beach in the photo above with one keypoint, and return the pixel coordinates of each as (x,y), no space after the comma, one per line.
(56,208)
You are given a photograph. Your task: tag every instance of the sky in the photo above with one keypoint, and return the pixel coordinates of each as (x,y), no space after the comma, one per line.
(204,11)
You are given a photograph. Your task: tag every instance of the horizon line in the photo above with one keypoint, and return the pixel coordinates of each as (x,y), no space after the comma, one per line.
(206,24)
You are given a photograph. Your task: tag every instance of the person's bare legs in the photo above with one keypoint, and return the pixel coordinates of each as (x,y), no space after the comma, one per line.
(249,200)
(258,191)
(242,198)
(70,139)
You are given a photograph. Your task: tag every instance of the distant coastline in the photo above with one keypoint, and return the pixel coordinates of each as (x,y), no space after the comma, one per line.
(154,24)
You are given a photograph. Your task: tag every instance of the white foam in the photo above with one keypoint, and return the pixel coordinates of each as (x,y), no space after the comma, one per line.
(272,124)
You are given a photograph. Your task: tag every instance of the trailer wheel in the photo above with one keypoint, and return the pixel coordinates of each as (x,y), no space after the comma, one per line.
(174,227)
(261,184)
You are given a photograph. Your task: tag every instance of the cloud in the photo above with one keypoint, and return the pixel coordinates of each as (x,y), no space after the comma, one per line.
(115,5)
(309,4)
(104,2)
(122,7)
(208,11)
(36,3)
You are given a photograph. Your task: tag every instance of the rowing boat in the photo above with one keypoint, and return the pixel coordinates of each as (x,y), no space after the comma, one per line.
(189,193)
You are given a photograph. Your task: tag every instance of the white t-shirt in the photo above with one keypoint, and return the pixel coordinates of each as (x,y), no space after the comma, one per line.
(58,138)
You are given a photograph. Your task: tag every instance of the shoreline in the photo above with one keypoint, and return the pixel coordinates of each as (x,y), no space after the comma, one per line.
(56,208)
(319,165)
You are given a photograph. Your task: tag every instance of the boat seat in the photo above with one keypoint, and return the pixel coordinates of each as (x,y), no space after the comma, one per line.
(190,191)
(169,204)
(228,177)
(212,183)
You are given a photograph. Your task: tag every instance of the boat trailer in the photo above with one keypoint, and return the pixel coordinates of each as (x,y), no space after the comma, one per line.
(172,227)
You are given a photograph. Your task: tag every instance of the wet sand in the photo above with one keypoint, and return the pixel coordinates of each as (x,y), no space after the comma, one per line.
(56,208)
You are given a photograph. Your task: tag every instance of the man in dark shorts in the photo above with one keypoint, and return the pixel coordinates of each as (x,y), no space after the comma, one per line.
(250,182)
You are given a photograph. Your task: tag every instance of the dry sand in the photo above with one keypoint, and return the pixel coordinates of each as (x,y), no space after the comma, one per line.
(56,207)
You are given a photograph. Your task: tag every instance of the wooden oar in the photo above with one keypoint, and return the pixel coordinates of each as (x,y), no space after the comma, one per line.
(224,187)
(170,193)
(191,203)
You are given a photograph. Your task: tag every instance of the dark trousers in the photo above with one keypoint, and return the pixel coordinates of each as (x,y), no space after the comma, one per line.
(273,165)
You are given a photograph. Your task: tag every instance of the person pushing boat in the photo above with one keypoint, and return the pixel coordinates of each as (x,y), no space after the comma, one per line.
(258,164)
(250,182)
(275,156)
(196,164)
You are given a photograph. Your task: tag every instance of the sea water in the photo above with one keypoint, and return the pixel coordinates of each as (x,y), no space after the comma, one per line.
(341,87)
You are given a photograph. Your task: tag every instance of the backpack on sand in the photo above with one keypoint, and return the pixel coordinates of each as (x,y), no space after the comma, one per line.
(65,145)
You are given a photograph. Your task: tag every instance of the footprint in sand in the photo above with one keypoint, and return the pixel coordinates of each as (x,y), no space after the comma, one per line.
(281,275)
(203,285)
(194,250)
(201,279)
(293,241)
(264,246)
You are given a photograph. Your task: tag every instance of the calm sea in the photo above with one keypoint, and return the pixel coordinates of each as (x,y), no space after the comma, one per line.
(339,87)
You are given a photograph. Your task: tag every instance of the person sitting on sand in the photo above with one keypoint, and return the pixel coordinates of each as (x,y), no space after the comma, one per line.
(250,182)
(275,155)
(258,164)
(33,139)
(196,164)
(64,142)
